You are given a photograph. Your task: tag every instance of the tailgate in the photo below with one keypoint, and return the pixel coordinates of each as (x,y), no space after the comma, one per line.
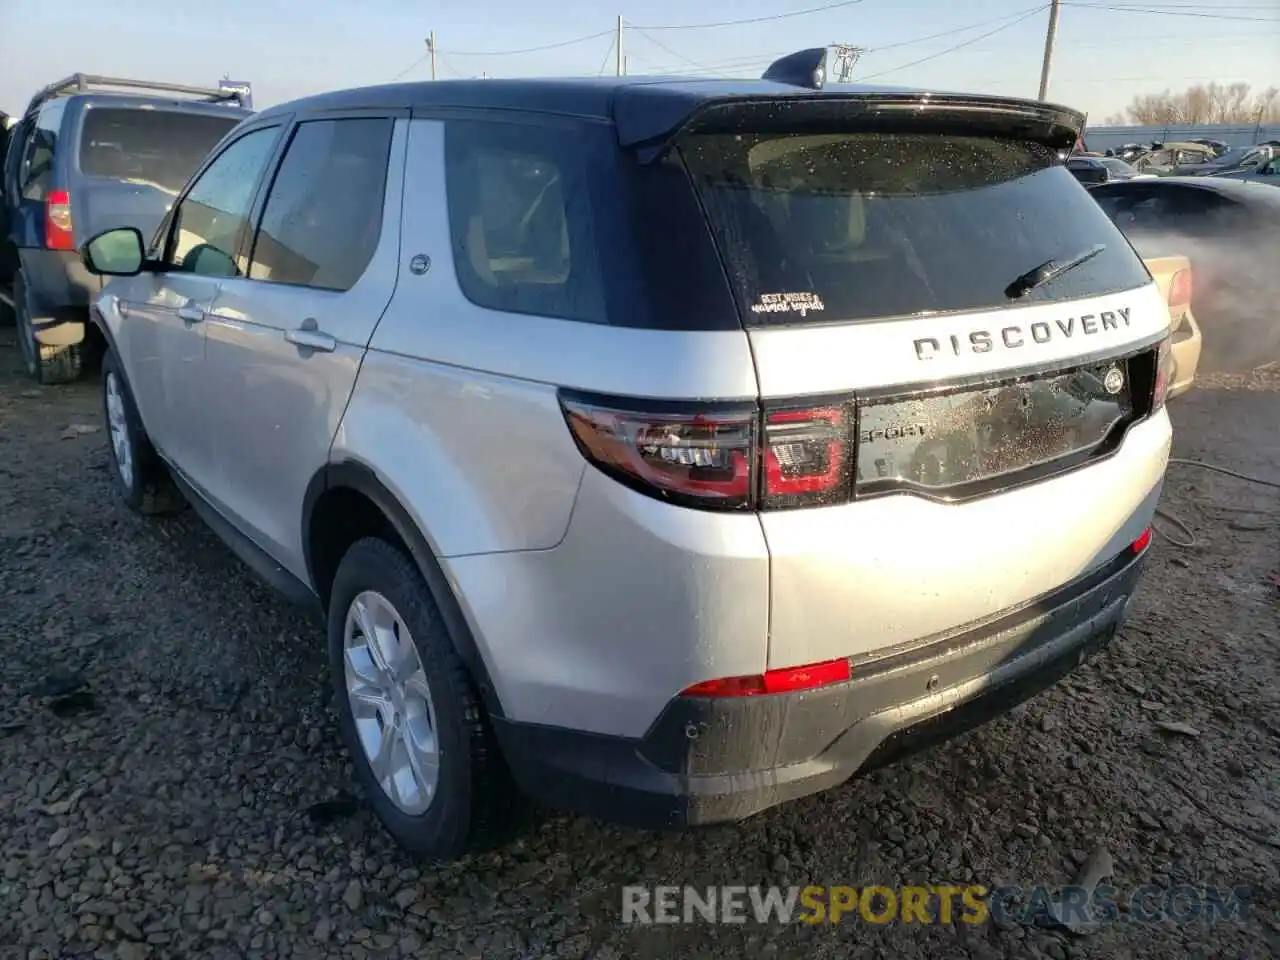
(956,353)
(101,204)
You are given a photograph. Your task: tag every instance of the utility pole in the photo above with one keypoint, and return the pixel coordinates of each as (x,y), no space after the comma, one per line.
(431,48)
(618,47)
(846,56)
(1054,6)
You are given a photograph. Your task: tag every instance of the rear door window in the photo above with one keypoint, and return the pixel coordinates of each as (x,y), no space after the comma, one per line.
(859,226)
(161,148)
(323,217)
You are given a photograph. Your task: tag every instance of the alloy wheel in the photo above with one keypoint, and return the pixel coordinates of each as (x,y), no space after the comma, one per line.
(391,703)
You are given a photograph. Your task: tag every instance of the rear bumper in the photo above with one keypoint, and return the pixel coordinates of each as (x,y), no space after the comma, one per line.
(59,289)
(714,760)
(1186,355)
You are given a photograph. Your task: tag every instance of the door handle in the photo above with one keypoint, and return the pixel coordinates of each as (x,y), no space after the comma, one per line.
(191,312)
(311,338)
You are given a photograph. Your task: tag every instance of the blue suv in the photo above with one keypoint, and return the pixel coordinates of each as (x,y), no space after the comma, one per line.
(91,152)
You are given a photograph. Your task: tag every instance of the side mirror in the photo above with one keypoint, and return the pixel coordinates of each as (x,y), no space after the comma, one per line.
(114,253)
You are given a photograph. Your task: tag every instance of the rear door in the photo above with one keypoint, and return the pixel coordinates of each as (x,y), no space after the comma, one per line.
(35,176)
(285,342)
(133,159)
(887,280)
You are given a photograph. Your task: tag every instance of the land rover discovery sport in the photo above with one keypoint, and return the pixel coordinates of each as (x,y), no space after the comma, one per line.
(665,448)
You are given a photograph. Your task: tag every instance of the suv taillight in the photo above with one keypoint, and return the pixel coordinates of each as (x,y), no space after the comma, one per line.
(704,458)
(57,221)
(712,457)
(1165,372)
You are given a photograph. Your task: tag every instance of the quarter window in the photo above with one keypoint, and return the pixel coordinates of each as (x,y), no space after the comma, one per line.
(519,215)
(210,222)
(323,217)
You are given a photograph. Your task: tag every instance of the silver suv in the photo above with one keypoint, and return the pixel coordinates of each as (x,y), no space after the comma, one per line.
(664,449)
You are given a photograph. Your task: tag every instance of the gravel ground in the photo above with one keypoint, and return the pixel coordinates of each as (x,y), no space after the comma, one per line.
(189,800)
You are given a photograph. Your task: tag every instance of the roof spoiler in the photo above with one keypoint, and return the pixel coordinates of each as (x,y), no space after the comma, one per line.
(804,68)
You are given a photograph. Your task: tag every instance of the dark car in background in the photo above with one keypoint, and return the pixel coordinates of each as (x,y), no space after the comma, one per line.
(1094,170)
(91,152)
(1230,230)
(1235,160)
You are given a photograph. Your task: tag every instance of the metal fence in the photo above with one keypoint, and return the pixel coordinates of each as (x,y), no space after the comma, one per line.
(1233,135)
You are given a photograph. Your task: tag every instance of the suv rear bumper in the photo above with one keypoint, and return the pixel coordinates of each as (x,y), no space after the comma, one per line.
(59,289)
(707,761)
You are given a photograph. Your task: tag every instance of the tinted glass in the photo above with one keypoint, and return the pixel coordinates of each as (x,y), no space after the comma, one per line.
(953,444)
(210,223)
(520,214)
(854,226)
(160,148)
(323,217)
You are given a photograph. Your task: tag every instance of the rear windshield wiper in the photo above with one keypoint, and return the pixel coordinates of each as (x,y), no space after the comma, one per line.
(1049,270)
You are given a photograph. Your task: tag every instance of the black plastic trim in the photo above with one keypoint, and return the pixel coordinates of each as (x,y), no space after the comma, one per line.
(713,760)
(253,556)
(363,480)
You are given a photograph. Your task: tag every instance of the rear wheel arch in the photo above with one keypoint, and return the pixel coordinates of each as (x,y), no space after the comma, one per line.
(346,502)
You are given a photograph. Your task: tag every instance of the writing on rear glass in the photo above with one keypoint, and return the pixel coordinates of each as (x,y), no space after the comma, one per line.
(800,303)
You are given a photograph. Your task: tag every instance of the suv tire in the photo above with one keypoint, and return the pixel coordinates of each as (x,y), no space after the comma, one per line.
(140,476)
(473,795)
(47,365)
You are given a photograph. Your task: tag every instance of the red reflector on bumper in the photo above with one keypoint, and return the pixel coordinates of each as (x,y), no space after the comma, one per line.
(784,680)
(1142,542)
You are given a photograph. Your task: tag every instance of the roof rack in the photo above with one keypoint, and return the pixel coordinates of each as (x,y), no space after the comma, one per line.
(84,82)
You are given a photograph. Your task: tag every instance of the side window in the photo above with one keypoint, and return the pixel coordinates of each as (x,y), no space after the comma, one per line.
(323,216)
(520,219)
(209,223)
(36,172)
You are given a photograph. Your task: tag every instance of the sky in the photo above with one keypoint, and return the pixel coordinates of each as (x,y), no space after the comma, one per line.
(1107,51)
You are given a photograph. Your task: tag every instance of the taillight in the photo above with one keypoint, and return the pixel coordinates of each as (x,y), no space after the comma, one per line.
(710,455)
(1180,289)
(57,221)
(1165,372)
(1143,541)
(703,457)
(785,680)
(807,454)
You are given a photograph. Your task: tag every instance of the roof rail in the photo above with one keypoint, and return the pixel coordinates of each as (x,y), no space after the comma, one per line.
(84,82)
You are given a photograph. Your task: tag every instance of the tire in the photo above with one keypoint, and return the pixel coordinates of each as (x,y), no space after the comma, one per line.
(143,482)
(474,798)
(46,365)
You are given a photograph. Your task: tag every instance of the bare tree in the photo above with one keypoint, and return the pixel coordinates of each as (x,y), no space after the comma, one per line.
(1203,103)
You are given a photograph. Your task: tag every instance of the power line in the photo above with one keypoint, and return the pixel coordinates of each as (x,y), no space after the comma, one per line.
(662,46)
(942,53)
(546,46)
(411,67)
(735,23)
(732,62)
(605,62)
(1169,13)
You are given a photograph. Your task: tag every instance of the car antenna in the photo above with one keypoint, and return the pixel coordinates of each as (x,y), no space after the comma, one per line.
(804,68)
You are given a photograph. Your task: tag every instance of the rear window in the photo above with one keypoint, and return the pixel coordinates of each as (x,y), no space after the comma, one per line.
(158,147)
(856,226)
